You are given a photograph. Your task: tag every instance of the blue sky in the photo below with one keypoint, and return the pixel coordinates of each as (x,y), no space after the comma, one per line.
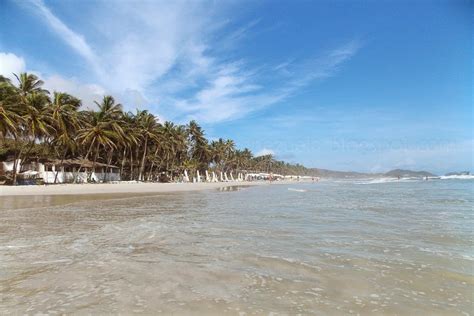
(346,85)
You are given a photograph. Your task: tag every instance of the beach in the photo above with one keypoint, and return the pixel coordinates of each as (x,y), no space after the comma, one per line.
(123,188)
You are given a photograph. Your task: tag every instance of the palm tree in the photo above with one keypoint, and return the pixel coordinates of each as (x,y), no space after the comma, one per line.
(199,146)
(229,152)
(32,123)
(181,149)
(130,140)
(172,150)
(148,128)
(9,117)
(241,159)
(101,129)
(29,83)
(64,120)
(32,101)
(95,133)
(108,108)
(223,153)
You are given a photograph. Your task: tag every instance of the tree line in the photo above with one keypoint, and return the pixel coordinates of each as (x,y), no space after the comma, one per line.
(37,124)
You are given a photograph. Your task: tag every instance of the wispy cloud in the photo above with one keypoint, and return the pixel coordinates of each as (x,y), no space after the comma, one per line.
(323,66)
(167,56)
(73,39)
(235,91)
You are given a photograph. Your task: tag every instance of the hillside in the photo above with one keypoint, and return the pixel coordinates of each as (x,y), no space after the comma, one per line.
(325,173)
(408,173)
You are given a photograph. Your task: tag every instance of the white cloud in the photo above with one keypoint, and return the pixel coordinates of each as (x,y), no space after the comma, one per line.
(323,66)
(264,152)
(11,64)
(76,41)
(140,41)
(169,53)
(234,91)
(88,93)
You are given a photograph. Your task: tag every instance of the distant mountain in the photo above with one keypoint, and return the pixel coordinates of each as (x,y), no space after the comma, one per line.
(324,173)
(460,173)
(408,173)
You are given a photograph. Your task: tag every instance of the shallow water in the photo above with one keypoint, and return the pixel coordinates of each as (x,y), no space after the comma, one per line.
(329,248)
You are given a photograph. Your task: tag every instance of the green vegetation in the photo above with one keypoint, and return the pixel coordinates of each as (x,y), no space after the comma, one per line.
(35,124)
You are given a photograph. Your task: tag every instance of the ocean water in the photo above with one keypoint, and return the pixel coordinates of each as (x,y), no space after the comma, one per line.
(329,248)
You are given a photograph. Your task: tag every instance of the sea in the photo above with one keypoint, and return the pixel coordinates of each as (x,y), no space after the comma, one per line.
(334,247)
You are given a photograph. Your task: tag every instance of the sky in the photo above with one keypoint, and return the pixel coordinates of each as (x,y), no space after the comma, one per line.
(344,85)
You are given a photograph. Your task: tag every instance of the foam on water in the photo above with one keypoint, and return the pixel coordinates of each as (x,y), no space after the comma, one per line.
(339,248)
(458,177)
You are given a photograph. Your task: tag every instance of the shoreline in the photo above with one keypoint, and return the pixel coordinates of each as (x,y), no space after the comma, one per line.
(125,188)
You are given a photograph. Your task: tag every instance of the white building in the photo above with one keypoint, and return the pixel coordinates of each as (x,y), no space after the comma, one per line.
(66,171)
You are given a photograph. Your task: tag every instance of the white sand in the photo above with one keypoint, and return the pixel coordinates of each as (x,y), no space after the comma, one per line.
(109,188)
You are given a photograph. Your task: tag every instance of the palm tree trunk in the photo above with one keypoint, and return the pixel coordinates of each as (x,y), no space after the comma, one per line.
(15,158)
(137,159)
(62,160)
(107,169)
(122,166)
(95,160)
(85,158)
(167,162)
(30,147)
(142,164)
(150,174)
(131,164)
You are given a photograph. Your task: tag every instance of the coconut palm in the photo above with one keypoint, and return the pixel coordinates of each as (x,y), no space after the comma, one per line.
(29,83)
(148,128)
(9,117)
(101,129)
(223,153)
(31,102)
(64,121)
(31,122)
(129,142)
(96,133)
(199,146)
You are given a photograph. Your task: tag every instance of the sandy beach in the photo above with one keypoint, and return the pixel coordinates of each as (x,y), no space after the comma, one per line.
(124,187)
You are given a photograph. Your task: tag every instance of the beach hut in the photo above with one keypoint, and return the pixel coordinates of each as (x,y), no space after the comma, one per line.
(78,171)
(38,170)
